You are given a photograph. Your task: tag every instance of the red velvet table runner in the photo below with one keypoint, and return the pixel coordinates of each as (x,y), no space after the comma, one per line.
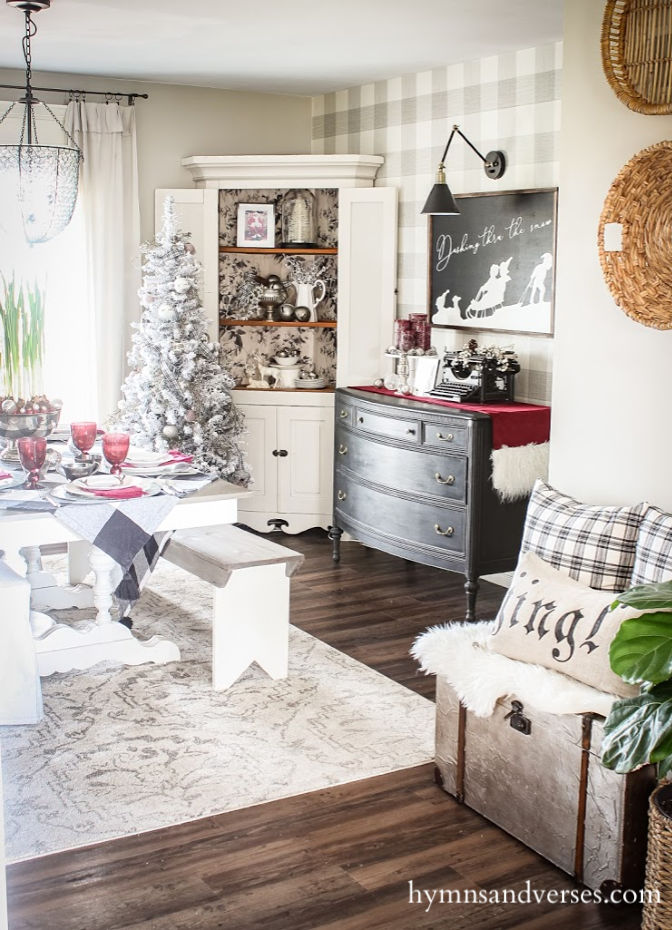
(512,424)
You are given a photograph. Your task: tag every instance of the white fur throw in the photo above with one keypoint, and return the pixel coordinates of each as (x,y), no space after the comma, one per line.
(458,652)
(516,468)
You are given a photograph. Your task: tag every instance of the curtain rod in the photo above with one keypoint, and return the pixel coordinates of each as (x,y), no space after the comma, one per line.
(110,95)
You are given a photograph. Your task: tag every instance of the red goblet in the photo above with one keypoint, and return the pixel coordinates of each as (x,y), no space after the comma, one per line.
(115,450)
(32,454)
(83,437)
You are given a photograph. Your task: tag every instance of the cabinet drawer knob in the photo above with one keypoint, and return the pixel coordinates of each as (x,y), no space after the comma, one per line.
(343,414)
(282,453)
(447,438)
(449,480)
(342,450)
(410,431)
(447,532)
(360,419)
(341,495)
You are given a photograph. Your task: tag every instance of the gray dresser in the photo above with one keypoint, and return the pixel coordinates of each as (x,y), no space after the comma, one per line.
(413,479)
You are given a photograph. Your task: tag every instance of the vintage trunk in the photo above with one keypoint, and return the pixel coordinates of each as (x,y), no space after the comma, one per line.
(538,776)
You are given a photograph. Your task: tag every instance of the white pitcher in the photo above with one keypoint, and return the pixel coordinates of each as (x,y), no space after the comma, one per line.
(305,295)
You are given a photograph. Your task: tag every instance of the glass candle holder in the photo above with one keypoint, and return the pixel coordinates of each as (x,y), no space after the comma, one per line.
(83,437)
(115,450)
(32,454)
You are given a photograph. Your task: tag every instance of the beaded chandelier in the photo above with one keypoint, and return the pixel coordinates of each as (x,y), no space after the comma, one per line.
(44,176)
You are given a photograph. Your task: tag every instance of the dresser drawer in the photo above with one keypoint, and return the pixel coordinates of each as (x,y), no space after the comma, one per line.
(344,413)
(388,427)
(415,522)
(446,436)
(410,470)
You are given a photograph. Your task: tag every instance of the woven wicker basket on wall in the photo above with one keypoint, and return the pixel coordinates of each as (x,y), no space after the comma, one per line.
(639,275)
(637,53)
(658,914)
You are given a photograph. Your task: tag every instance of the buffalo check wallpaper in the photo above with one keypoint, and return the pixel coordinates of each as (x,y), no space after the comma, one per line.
(509,102)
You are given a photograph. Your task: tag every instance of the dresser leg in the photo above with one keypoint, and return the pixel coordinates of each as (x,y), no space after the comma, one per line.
(334,534)
(471,590)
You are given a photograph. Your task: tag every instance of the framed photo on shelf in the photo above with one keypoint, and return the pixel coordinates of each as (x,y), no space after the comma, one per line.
(256,225)
(493,265)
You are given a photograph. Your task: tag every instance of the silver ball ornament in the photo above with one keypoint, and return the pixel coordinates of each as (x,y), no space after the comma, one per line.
(378,383)
(170,431)
(9,406)
(405,389)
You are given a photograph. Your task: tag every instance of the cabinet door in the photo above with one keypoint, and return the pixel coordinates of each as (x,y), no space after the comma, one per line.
(259,443)
(197,214)
(305,473)
(367,232)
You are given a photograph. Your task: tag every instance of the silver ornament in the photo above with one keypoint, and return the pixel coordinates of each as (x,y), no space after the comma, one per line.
(170,431)
(9,406)
(378,383)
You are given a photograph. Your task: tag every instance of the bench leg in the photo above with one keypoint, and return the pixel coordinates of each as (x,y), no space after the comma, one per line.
(251,624)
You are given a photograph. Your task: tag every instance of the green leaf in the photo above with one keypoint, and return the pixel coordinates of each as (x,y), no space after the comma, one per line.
(647,596)
(641,651)
(636,727)
(665,767)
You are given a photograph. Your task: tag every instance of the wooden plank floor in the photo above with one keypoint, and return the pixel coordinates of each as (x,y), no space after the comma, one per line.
(339,859)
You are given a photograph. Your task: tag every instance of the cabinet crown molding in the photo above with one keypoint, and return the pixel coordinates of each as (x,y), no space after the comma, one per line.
(250,171)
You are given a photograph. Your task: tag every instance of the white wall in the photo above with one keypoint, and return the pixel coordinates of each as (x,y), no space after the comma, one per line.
(180,120)
(610,439)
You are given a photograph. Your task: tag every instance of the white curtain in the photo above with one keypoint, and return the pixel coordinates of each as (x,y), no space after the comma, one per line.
(110,212)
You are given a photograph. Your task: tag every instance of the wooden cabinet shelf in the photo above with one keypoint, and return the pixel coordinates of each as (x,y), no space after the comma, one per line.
(288,251)
(320,324)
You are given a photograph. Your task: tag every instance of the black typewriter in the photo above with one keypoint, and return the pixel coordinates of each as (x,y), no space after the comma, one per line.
(477,376)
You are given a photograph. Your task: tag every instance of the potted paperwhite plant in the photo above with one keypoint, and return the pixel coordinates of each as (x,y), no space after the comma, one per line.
(639,729)
(24,409)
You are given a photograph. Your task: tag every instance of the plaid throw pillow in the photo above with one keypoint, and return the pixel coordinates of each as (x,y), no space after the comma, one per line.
(594,545)
(653,555)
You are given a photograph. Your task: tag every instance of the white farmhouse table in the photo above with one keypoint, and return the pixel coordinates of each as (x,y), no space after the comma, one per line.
(61,647)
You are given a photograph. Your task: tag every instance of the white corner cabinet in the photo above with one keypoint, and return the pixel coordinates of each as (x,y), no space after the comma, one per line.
(289,433)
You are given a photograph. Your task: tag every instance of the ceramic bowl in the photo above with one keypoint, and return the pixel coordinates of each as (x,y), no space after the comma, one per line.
(74,470)
(285,361)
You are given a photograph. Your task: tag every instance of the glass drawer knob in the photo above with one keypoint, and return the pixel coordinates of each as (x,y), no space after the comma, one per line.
(447,532)
(343,414)
(449,480)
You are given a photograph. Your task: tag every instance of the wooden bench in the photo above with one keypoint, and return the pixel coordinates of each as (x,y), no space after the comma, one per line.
(250,576)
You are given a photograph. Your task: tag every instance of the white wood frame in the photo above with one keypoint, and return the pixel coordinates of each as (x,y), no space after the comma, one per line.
(366,293)
(367,276)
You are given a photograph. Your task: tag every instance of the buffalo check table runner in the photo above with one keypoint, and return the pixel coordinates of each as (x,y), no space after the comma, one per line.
(125,531)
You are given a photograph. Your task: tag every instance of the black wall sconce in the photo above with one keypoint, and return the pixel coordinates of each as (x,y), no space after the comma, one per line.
(440,200)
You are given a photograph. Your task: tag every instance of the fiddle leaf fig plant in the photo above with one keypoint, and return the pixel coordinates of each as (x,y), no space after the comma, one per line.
(639,729)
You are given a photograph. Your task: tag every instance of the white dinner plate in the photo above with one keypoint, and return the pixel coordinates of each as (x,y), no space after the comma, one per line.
(77,491)
(160,471)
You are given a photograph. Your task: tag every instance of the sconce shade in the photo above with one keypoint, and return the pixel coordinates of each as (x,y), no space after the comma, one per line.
(441,201)
(45,178)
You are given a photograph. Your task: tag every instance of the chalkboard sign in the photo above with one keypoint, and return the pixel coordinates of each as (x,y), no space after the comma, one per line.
(493,265)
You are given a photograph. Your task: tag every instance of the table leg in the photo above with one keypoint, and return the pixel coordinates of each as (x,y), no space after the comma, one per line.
(46,593)
(62,647)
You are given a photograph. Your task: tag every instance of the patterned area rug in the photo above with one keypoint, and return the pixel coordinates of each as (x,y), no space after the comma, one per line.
(125,750)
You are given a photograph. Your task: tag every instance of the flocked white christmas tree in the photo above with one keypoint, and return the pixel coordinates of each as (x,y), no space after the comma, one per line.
(176,395)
